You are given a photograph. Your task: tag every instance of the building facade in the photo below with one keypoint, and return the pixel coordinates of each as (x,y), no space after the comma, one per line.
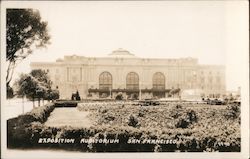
(123,73)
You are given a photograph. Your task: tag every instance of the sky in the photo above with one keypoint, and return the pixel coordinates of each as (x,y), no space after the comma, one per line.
(215,32)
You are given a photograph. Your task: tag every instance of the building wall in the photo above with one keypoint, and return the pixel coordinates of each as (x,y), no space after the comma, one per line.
(81,73)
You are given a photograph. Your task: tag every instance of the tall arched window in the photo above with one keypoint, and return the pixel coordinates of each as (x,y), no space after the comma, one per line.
(158,81)
(132,81)
(105,81)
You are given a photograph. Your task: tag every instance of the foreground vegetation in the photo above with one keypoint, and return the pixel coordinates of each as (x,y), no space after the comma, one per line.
(197,127)
(194,127)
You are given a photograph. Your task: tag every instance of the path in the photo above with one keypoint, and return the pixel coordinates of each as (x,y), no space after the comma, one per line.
(68,117)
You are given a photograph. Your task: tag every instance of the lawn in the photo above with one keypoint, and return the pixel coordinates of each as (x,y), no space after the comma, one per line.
(68,117)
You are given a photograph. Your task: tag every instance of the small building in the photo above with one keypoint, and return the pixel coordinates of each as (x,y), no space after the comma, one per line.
(121,72)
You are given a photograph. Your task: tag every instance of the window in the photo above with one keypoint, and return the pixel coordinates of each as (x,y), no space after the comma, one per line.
(158,81)
(105,81)
(132,81)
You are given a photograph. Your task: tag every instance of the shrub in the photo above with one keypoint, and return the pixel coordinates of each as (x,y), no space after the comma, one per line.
(103,110)
(119,97)
(232,111)
(187,119)
(104,95)
(176,111)
(65,104)
(134,96)
(178,106)
(191,116)
(39,114)
(133,121)
(18,132)
(109,118)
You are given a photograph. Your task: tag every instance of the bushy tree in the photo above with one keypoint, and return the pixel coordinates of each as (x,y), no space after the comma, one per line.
(36,84)
(25,31)
(133,121)
(119,96)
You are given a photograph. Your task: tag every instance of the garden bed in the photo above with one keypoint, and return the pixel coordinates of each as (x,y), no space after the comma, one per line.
(185,127)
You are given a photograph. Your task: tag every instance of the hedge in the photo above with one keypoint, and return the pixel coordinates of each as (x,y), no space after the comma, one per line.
(36,130)
(65,104)
(17,128)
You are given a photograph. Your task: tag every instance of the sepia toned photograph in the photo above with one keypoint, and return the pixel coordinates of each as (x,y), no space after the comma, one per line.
(131,79)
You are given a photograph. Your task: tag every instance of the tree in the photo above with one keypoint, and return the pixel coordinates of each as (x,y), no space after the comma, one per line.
(10,92)
(25,31)
(26,86)
(36,84)
(119,96)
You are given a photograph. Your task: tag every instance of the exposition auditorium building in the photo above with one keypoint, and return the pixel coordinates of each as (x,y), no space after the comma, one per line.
(121,72)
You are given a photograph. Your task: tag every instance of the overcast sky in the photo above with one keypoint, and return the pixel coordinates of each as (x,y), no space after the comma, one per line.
(215,32)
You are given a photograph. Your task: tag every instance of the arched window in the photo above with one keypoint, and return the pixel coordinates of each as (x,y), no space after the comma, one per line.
(105,81)
(132,81)
(158,81)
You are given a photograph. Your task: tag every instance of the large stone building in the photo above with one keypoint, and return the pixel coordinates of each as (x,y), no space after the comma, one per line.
(123,73)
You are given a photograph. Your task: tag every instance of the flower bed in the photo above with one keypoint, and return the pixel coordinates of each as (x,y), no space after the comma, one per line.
(187,127)
(207,125)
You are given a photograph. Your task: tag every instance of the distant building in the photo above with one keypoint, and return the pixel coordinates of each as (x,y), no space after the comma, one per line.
(123,73)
